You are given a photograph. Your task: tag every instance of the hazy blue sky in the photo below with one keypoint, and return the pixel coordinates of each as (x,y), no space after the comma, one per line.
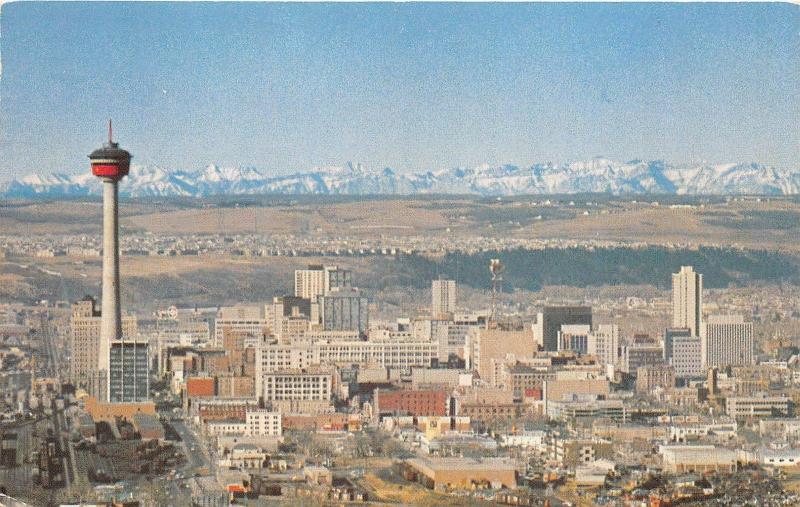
(286,87)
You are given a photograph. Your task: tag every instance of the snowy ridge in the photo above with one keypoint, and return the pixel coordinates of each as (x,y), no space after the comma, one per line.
(598,175)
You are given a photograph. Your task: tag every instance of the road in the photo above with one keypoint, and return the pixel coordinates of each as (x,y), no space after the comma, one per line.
(198,460)
(196,456)
(59,421)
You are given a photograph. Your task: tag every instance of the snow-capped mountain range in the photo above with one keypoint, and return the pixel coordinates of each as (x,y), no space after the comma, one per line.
(597,175)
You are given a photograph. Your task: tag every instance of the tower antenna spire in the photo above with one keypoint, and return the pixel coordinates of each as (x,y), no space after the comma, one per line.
(110,137)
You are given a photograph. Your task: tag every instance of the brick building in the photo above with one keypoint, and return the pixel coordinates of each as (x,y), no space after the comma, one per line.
(412,402)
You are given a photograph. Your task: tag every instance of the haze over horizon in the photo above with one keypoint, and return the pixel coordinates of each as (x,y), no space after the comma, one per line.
(289,87)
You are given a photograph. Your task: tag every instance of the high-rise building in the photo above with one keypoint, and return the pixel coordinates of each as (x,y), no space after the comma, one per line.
(129,372)
(291,316)
(640,354)
(318,280)
(241,318)
(110,163)
(336,278)
(344,309)
(603,342)
(727,340)
(574,338)
(682,351)
(687,299)
(553,317)
(85,325)
(443,297)
(487,348)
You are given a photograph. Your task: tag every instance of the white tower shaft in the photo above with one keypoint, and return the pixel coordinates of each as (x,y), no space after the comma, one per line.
(111,320)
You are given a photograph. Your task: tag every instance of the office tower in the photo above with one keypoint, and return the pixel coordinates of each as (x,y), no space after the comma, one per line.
(712,381)
(687,299)
(538,331)
(727,340)
(641,354)
(291,316)
(248,319)
(110,163)
(344,309)
(443,297)
(452,335)
(553,317)
(574,338)
(85,326)
(486,348)
(336,278)
(129,372)
(603,343)
(683,352)
(318,280)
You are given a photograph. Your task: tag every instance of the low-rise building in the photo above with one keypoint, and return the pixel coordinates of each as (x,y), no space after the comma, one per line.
(785,457)
(463,473)
(245,456)
(148,426)
(741,407)
(697,458)
(652,376)
(225,427)
(263,423)
(588,407)
(572,452)
(308,385)
(412,402)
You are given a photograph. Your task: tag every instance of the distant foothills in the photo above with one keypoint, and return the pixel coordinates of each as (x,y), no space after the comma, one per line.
(598,175)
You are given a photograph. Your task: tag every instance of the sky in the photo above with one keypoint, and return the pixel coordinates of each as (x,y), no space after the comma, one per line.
(415,87)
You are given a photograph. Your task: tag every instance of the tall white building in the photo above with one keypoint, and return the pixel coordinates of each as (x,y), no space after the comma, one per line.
(603,342)
(687,299)
(727,340)
(443,297)
(318,280)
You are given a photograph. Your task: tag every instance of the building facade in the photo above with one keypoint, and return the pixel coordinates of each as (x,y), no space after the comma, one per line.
(129,372)
(85,342)
(263,422)
(443,297)
(412,402)
(574,338)
(687,299)
(345,309)
(727,340)
(604,343)
(652,376)
(741,407)
(297,385)
(318,280)
(553,317)
(684,353)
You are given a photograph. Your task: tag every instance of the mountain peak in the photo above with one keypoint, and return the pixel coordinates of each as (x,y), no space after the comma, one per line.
(597,175)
